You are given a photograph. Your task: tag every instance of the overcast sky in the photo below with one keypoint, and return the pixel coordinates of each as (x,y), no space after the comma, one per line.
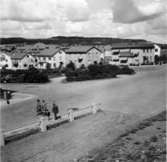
(145,19)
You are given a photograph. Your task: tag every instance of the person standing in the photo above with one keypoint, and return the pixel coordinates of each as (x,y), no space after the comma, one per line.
(39,107)
(45,110)
(8,96)
(55,110)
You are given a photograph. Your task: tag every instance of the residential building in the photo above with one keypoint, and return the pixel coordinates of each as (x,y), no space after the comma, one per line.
(128,58)
(157,49)
(5,60)
(138,53)
(51,57)
(83,55)
(22,60)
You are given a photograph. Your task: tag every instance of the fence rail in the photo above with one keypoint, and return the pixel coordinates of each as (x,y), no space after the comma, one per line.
(43,124)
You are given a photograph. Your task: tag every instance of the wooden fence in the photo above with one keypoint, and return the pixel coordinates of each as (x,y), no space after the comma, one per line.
(45,124)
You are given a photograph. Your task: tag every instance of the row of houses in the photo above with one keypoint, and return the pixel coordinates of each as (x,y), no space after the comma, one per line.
(44,56)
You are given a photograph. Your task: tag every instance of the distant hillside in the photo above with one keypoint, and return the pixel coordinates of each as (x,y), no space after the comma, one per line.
(62,40)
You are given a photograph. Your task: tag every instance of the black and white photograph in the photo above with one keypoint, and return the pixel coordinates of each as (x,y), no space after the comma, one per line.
(83,80)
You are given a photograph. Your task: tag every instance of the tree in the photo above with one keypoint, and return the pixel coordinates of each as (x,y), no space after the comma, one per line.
(71,66)
(156,59)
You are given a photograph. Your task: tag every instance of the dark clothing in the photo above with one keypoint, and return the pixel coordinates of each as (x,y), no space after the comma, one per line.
(39,108)
(55,111)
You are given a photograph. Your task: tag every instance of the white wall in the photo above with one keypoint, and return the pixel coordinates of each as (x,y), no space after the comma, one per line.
(54,60)
(87,58)
(5,60)
(157,50)
(27,60)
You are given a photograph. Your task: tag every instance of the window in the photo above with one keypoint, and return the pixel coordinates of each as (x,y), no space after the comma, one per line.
(124,61)
(15,64)
(2,58)
(156,50)
(25,65)
(115,53)
(80,60)
(115,60)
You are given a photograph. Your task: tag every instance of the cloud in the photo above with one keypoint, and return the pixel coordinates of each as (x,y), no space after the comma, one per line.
(26,10)
(41,10)
(144,19)
(128,12)
(76,10)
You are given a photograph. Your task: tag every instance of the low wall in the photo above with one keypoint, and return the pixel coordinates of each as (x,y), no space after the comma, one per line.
(44,124)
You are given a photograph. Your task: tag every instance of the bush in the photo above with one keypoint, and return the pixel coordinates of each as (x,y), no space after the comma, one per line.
(126,70)
(32,75)
(71,66)
(94,71)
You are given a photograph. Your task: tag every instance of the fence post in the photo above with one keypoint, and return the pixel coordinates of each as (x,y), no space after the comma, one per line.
(71,117)
(94,109)
(2,140)
(43,124)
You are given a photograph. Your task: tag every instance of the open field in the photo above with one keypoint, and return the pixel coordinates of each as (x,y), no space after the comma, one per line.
(124,100)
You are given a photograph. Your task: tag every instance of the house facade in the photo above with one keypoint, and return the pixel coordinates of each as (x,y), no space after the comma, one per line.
(5,60)
(83,55)
(50,58)
(22,61)
(132,54)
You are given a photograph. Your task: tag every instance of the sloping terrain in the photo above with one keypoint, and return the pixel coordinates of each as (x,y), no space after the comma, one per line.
(144,141)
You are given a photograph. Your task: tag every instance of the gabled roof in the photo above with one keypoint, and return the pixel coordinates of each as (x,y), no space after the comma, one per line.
(40,45)
(163,52)
(80,49)
(132,45)
(5,53)
(163,46)
(103,48)
(18,55)
(47,52)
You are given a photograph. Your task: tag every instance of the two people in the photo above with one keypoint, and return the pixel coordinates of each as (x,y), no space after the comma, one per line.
(42,109)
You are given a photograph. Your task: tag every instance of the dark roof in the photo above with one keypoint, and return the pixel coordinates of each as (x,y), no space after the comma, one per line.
(80,49)
(132,45)
(163,52)
(47,52)
(18,55)
(163,46)
(104,48)
(125,54)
